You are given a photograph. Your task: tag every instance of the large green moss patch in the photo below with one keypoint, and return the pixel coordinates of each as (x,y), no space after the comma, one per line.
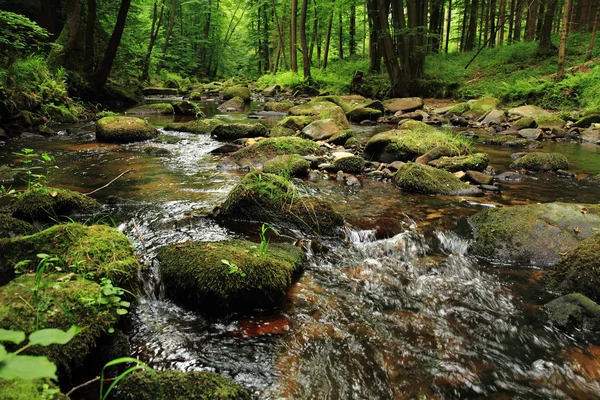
(52,204)
(420,178)
(124,130)
(271,147)
(541,162)
(197,127)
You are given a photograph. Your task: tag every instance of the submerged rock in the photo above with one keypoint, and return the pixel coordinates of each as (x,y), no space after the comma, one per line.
(197,127)
(514,141)
(237,131)
(177,385)
(541,162)
(420,178)
(534,234)
(51,204)
(573,312)
(228,275)
(96,251)
(124,130)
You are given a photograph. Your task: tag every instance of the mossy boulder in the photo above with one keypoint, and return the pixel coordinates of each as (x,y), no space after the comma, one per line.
(76,295)
(363,113)
(529,111)
(271,198)
(237,91)
(524,123)
(482,107)
(159,91)
(237,131)
(197,127)
(414,140)
(280,106)
(573,312)
(322,110)
(541,162)
(269,148)
(25,389)
(534,234)
(7,174)
(124,130)
(12,227)
(287,165)
(233,105)
(290,126)
(188,108)
(419,178)
(460,108)
(550,122)
(579,269)
(199,274)
(587,121)
(51,204)
(352,164)
(177,385)
(513,141)
(322,129)
(96,252)
(153,108)
(471,162)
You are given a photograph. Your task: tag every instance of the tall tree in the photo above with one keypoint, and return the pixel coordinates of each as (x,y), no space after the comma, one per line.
(328,35)
(532,14)
(293,40)
(352,41)
(472,30)
(448,22)
(545,47)
(165,46)
(63,53)
(593,38)
(303,41)
(156,22)
(89,35)
(564,30)
(518,20)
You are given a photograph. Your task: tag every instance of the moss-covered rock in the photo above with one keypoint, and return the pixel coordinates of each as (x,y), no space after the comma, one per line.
(199,274)
(51,204)
(419,178)
(404,104)
(271,198)
(155,151)
(24,389)
(238,131)
(153,108)
(352,164)
(290,126)
(514,141)
(271,147)
(579,269)
(534,234)
(472,162)
(550,122)
(236,91)
(320,109)
(188,108)
(588,120)
(96,252)
(124,129)
(236,104)
(11,227)
(414,140)
(460,108)
(529,111)
(524,123)
(481,107)
(363,113)
(177,385)
(7,174)
(159,91)
(573,312)
(323,129)
(287,165)
(541,162)
(60,113)
(18,312)
(280,106)
(197,127)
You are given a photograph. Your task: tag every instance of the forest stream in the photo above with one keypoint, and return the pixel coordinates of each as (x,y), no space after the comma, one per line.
(395,308)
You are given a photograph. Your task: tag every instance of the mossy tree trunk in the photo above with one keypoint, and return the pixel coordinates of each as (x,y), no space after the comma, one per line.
(293,40)
(62,53)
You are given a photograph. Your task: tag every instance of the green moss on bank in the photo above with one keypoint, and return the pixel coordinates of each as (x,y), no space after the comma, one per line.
(287,165)
(22,389)
(51,204)
(421,178)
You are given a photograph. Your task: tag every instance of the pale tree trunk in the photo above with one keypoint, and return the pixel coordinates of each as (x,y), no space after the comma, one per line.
(156,22)
(168,36)
(564,30)
(532,13)
(594,31)
(303,41)
(293,40)
(328,35)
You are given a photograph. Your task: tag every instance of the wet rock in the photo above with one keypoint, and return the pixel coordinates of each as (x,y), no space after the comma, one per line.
(495,117)
(7,175)
(509,177)
(271,198)
(153,108)
(290,126)
(287,165)
(363,114)
(558,133)
(565,174)
(339,176)
(197,127)
(420,178)
(459,121)
(513,141)
(323,129)
(158,91)
(529,112)
(489,188)
(405,104)
(352,180)
(479,178)
(226,148)
(541,162)
(97,251)
(228,275)
(157,151)
(237,131)
(188,108)
(124,130)
(351,164)
(12,227)
(441,110)
(396,165)
(177,385)
(535,234)
(532,133)
(418,115)
(573,312)
(474,162)
(587,121)
(524,123)
(233,105)
(281,106)
(236,91)
(323,108)
(368,122)
(271,90)
(577,270)
(590,135)
(271,147)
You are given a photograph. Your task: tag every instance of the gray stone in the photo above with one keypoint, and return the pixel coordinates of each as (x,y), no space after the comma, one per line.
(531,133)
(495,117)
(405,104)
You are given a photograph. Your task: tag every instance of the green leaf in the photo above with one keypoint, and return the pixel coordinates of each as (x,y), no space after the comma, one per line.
(46,337)
(15,337)
(27,367)
(3,353)
(121,311)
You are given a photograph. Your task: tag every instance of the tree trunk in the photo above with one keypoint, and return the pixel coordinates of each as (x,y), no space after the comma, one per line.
(472,30)
(434,25)
(89,35)
(113,45)
(352,41)
(156,22)
(62,55)
(545,46)
(465,17)
(398,85)
(340,36)
(593,38)
(532,12)
(328,35)
(293,40)
(165,46)
(205,32)
(49,15)
(492,24)
(448,22)
(518,20)
(564,30)
(511,21)
(303,41)
(280,34)
(501,20)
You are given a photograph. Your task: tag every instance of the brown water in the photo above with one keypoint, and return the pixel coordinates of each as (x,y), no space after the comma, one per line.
(396,309)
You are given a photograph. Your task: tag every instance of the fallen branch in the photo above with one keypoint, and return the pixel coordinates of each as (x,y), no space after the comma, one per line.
(84,384)
(109,183)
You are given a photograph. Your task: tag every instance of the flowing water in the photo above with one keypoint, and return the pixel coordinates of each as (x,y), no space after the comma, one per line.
(396,308)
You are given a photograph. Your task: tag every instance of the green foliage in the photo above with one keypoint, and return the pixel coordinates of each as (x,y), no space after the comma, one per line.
(109,297)
(233,268)
(33,162)
(264,240)
(138,366)
(19,37)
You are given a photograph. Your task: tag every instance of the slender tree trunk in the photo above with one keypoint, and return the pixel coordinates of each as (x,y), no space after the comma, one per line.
(501,21)
(532,13)
(593,38)
(303,41)
(472,31)
(434,25)
(518,20)
(398,85)
(49,15)
(340,36)
(89,36)
(448,22)
(328,35)
(165,46)
(113,45)
(564,30)
(463,36)
(545,46)
(374,34)
(511,21)
(205,32)
(293,40)
(156,22)
(279,33)
(492,23)
(352,41)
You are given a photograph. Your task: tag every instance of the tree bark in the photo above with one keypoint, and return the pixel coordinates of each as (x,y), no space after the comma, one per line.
(293,40)
(545,46)
(165,46)
(532,12)
(303,41)
(340,36)
(279,33)
(492,42)
(448,22)
(111,50)
(49,15)
(63,54)
(518,20)
(89,35)
(328,35)
(352,41)
(501,21)
(593,38)
(156,22)
(564,30)
(398,85)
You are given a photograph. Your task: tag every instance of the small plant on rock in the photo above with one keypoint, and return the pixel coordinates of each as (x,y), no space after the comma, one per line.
(233,268)
(264,240)
(36,168)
